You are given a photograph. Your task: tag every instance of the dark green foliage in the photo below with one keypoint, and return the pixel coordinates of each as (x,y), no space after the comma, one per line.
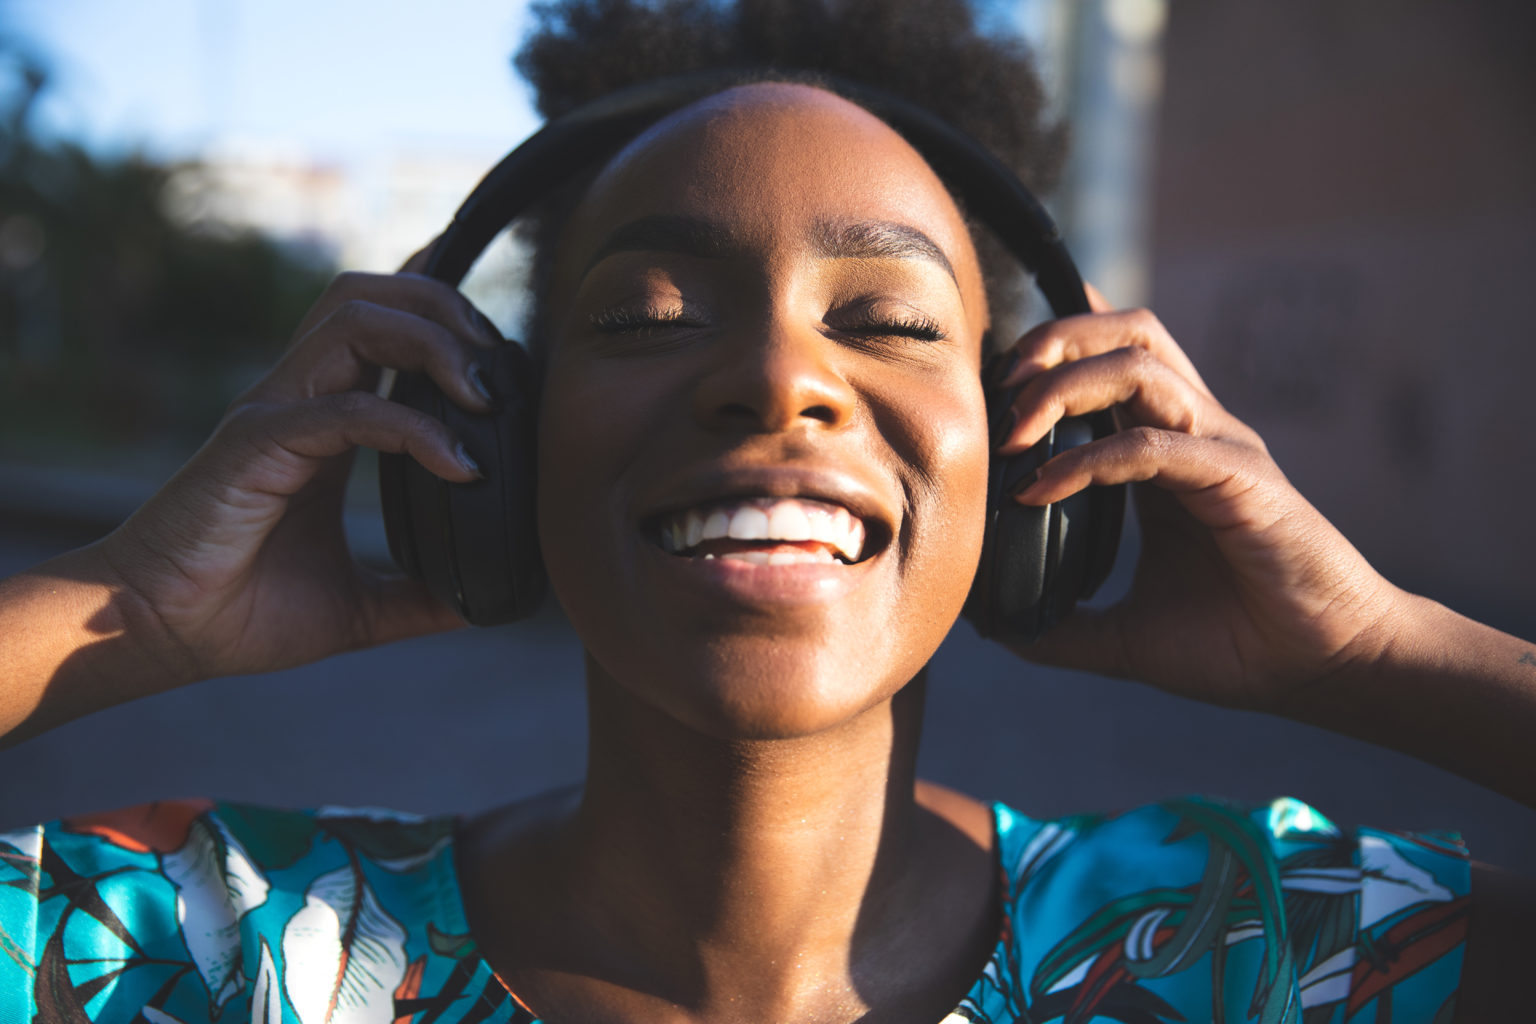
(118,323)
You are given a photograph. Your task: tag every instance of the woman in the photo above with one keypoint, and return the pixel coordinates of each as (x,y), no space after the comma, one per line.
(751,842)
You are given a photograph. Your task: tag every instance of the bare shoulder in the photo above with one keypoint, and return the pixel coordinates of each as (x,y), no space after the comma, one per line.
(967,814)
(1501,946)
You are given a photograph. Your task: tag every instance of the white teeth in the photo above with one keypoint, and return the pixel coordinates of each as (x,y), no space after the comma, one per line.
(749,524)
(768,519)
(788,521)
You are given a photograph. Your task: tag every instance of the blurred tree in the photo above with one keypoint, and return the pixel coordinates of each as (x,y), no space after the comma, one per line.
(119,324)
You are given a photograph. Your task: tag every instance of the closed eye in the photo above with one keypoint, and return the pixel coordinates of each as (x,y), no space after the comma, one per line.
(643,321)
(904,325)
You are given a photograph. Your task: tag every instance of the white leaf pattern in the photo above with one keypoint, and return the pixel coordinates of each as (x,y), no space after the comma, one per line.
(216,885)
(1390,882)
(343,956)
(1329,981)
(266,1000)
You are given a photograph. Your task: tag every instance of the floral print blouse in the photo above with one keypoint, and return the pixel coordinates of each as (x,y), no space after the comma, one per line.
(1190,910)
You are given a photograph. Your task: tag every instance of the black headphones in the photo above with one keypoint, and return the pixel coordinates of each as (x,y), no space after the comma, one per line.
(476,545)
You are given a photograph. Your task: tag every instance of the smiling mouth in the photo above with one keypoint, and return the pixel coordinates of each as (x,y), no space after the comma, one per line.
(764,531)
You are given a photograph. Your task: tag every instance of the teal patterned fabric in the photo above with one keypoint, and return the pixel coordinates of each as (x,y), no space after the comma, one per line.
(1191,910)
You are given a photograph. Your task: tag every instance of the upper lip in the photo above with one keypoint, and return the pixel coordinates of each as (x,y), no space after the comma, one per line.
(710,484)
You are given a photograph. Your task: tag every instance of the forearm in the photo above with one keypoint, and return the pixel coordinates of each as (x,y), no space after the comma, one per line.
(1439,686)
(74,640)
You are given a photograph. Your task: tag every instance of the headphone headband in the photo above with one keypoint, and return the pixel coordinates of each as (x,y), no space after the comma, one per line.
(592,134)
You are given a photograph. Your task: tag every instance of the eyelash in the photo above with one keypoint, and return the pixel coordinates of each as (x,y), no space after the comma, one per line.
(917,327)
(625,320)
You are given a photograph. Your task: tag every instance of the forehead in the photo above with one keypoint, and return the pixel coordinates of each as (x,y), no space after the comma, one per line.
(770,163)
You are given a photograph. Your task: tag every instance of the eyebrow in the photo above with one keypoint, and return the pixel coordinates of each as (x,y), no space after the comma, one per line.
(694,236)
(877,240)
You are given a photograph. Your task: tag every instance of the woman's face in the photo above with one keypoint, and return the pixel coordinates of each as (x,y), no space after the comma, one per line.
(763,447)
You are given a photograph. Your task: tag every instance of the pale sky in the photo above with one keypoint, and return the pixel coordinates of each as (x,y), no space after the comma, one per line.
(336,79)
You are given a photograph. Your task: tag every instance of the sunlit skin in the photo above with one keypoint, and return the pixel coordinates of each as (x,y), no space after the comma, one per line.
(782,379)
(770,294)
(749,818)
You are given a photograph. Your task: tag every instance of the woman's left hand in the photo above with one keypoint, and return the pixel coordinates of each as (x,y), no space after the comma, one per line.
(1243,590)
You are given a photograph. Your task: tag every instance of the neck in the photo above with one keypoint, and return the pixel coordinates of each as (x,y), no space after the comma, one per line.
(783,879)
(711,880)
(766,844)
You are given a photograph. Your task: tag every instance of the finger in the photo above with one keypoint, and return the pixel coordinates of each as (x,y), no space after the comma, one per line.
(347,349)
(1205,473)
(411,293)
(397,609)
(417,264)
(1079,337)
(1096,300)
(289,437)
(1146,389)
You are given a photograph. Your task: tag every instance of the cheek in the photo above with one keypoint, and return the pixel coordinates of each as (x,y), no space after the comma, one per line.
(947,493)
(582,451)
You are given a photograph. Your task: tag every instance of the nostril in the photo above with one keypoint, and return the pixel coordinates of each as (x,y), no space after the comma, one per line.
(824,413)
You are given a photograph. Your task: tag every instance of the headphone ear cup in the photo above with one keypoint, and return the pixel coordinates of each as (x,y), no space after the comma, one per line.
(1037,562)
(1004,601)
(475,544)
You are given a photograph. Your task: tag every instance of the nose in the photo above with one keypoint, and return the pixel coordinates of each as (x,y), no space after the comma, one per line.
(780,379)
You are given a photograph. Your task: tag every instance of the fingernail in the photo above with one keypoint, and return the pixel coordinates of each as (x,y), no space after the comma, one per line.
(1025,484)
(467,461)
(477,381)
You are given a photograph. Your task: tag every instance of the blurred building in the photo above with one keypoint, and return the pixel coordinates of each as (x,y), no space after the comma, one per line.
(1343,235)
(365,215)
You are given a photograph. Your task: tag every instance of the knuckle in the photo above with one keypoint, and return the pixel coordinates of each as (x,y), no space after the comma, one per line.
(1141,360)
(1149,441)
(351,314)
(1144,321)
(349,404)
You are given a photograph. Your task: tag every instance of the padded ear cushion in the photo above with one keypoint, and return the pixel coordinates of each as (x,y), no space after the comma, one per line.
(475,544)
(1038,561)
(1011,575)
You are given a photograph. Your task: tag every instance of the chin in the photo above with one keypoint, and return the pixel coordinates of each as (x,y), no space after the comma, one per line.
(760,688)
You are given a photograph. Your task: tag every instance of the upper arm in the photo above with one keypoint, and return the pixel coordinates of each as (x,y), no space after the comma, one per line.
(1501,947)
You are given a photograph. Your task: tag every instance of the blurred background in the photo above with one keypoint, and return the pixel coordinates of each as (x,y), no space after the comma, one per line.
(1331,206)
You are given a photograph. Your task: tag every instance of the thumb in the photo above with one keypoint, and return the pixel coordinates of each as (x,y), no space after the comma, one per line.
(1096,300)
(401,608)
(1088,640)
(417,264)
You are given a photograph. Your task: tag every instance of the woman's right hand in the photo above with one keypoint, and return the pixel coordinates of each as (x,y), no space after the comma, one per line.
(241,557)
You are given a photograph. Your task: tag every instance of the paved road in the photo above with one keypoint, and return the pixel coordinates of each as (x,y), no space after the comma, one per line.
(462,721)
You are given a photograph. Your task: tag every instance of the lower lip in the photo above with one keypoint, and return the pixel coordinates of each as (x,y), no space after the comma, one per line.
(791,584)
